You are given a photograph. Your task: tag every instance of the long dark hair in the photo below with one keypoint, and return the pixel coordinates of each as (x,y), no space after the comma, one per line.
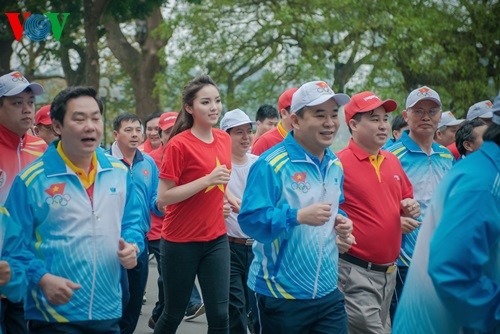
(185,120)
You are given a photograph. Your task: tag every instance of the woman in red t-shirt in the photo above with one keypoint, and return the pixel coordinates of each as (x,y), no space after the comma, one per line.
(193,178)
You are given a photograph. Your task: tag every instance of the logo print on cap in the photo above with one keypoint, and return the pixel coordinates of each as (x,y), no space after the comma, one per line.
(323,87)
(424,91)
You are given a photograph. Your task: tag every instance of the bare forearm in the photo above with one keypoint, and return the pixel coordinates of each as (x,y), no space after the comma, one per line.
(167,196)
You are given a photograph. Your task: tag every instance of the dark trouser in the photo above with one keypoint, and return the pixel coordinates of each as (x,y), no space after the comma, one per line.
(195,299)
(241,258)
(12,318)
(136,278)
(183,261)
(298,316)
(78,327)
(400,280)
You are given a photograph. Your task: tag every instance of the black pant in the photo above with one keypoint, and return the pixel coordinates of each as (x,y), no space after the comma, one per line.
(78,327)
(181,263)
(12,318)
(133,284)
(241,258)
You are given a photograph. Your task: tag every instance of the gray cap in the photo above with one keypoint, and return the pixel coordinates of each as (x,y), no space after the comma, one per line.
(496,110)
(14,83)
(235,118)
(422,93)
(314,93)
(481,109)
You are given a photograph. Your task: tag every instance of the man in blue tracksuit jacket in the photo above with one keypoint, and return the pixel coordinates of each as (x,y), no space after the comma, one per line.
(453,285)
(290,207)
(80,219)
(127,131)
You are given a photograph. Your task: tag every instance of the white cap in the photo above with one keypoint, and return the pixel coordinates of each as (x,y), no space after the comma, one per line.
(481,109)
(314,93)
(496,110)
(14,83)
(235,118)
(422,93)
(448,119)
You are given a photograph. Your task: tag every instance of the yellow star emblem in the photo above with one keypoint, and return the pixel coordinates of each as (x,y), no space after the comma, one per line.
(220,186)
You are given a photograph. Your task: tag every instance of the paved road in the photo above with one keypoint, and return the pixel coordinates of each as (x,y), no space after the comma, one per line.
(197,326)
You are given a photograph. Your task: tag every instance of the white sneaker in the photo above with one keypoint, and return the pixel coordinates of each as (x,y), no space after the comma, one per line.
(194,312)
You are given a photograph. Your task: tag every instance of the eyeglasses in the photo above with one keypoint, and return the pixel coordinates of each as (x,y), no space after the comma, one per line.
(431,112)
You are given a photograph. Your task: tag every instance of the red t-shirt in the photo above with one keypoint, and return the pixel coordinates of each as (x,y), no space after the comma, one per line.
(156,222)
(146,146)
(372,202)
(187,158)
(454,150)
(269,139)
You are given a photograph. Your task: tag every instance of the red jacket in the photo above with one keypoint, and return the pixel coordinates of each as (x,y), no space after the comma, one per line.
(15,153)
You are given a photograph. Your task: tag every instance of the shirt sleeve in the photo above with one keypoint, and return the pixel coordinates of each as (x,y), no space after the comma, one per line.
(262,216)
(14,252)
(21,212)
(132,230)
(172,163)
(462,259)
(155,175)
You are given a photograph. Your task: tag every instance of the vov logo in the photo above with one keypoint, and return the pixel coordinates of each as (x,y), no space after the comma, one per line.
(37,26)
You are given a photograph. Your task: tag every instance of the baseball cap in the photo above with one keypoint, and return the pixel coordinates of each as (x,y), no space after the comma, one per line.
(314,93)
(496,110)
(285,99)
(448,119)
(422,93)
(481,109)
(366,101)
(42,115)
(235,118)
(167,120)
(14,83)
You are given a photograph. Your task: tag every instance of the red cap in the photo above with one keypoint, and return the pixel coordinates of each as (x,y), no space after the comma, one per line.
(366,101)
(285,99)
(42,116)
(167,120)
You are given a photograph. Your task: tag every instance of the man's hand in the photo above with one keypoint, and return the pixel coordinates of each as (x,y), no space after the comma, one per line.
(315,214)
(5,273)
(343,229)
(234,202)
(344,244)
(408,224)
(410,207)
(127,253)
(343,226)
(58,290)
(226,209)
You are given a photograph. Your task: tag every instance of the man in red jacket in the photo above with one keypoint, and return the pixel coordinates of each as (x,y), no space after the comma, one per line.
(17,149)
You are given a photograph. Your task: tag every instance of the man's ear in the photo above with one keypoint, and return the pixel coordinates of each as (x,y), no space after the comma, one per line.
(57,126)
(468,146)
(404,113)
(295,121)
(353,125)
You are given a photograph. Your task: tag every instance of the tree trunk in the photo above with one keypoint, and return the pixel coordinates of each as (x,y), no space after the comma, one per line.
(5,53)
(93,10)
(140,66)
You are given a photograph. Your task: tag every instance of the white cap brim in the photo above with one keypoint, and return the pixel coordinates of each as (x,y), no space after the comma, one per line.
(425,98)
(37,89)
(238,124)
(339,98)
(455,122)
(489,114)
